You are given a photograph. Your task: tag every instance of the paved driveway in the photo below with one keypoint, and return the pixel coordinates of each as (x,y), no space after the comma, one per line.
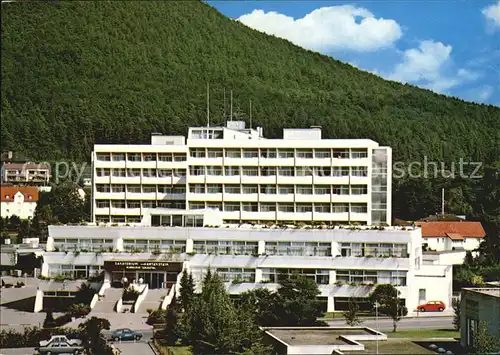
(131,348)
(19,351)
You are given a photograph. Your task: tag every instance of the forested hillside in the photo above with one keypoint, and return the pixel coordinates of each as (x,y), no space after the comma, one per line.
(79,73)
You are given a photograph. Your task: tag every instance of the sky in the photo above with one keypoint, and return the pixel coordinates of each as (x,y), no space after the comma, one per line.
(449,46)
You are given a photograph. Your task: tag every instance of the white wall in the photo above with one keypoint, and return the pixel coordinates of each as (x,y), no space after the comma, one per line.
(445,243)
(18,207)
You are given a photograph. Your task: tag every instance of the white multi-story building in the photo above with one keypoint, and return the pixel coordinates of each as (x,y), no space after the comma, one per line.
(344,262)
(247,177)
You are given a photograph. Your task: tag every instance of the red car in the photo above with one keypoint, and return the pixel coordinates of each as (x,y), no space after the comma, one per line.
(432,306)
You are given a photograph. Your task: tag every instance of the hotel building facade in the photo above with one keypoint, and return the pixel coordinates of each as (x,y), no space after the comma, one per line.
(344,261)
(248,178)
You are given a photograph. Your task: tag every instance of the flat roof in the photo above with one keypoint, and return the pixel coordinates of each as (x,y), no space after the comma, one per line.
(314,336)
(493,292)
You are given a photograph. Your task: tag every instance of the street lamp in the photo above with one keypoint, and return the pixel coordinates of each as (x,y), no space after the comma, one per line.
(376,321)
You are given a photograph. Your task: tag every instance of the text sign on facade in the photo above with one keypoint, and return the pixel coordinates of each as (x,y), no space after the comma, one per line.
(137,265)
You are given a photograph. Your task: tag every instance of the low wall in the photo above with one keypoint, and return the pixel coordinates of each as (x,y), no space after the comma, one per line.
(94,300)
(119,305)
(168,298)
(140,298)
(38,301)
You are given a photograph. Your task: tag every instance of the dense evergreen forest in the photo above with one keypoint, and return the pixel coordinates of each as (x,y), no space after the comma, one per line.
(79,73)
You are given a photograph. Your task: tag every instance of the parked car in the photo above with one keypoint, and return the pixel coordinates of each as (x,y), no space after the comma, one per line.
(432,306)
(60,344)
(125,334)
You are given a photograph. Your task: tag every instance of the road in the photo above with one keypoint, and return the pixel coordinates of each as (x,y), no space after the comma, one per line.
(404,324)
(126,347)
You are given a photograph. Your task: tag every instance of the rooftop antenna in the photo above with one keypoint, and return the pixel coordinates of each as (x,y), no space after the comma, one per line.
(442,201)
(224,114)
(231,114)
(250,113)
(208,105)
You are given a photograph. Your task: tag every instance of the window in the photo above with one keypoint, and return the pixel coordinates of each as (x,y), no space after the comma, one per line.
(357,276)
(196,205)
(339,171)
(357,153)
(268,189)
(149,157)
(232,171)
(134,188)
(285,153)
(359,208)
(250,171)
(249,206)
(103,156)
(268,171)
(149,188)
(165,156)
(250,153)
(102,203)
(322,171)
(304,189)
(148,204)
(322,190)
(214,188)
(117,188)
(285,189)
(118,204)
(197,153)
(133,204)
(179,172)
(103,172)
(119,172)
(231,206)
(340,207)
(249,189)
(285,207)
(304,153)
(103,188)
(303,171)
(118,156)
(214,206)
(341,189)
(359,171)
(232,189)
(215,153)
(165,173)
(275,275)
(340,153)
(285,171)
(267,207)
(322,207)
(233,153)
(149,172)
(180,157)
(304,207)
(322,153)
(134,156)
(197,188)
(133,172)
(359,189)
(197,170)
(214,170)
(236,274)
(268,153)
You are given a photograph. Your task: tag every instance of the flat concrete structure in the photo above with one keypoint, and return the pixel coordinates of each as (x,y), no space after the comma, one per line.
(319,340)
(315,336)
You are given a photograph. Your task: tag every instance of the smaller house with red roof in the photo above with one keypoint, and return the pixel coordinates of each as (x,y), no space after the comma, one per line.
(451,235)
(18,201)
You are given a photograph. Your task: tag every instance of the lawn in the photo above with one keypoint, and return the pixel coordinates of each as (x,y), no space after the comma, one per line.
(424,333)
(392,346)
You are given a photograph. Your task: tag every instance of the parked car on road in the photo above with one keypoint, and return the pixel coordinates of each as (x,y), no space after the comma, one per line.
(125,334)
(432,306)
(60,344)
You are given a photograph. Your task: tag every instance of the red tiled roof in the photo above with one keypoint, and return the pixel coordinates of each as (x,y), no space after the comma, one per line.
(8,192)
(444,229)
(455,236)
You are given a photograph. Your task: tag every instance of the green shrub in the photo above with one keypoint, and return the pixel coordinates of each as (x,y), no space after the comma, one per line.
(78,310)
(130,294)
(157,317)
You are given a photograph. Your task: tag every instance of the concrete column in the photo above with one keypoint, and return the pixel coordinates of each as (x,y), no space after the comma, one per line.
(118,244)
(335,249)
(333,277)
(258,275)
(38,301)
(50,244)
(331,305)
(189,246)
(262,247)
